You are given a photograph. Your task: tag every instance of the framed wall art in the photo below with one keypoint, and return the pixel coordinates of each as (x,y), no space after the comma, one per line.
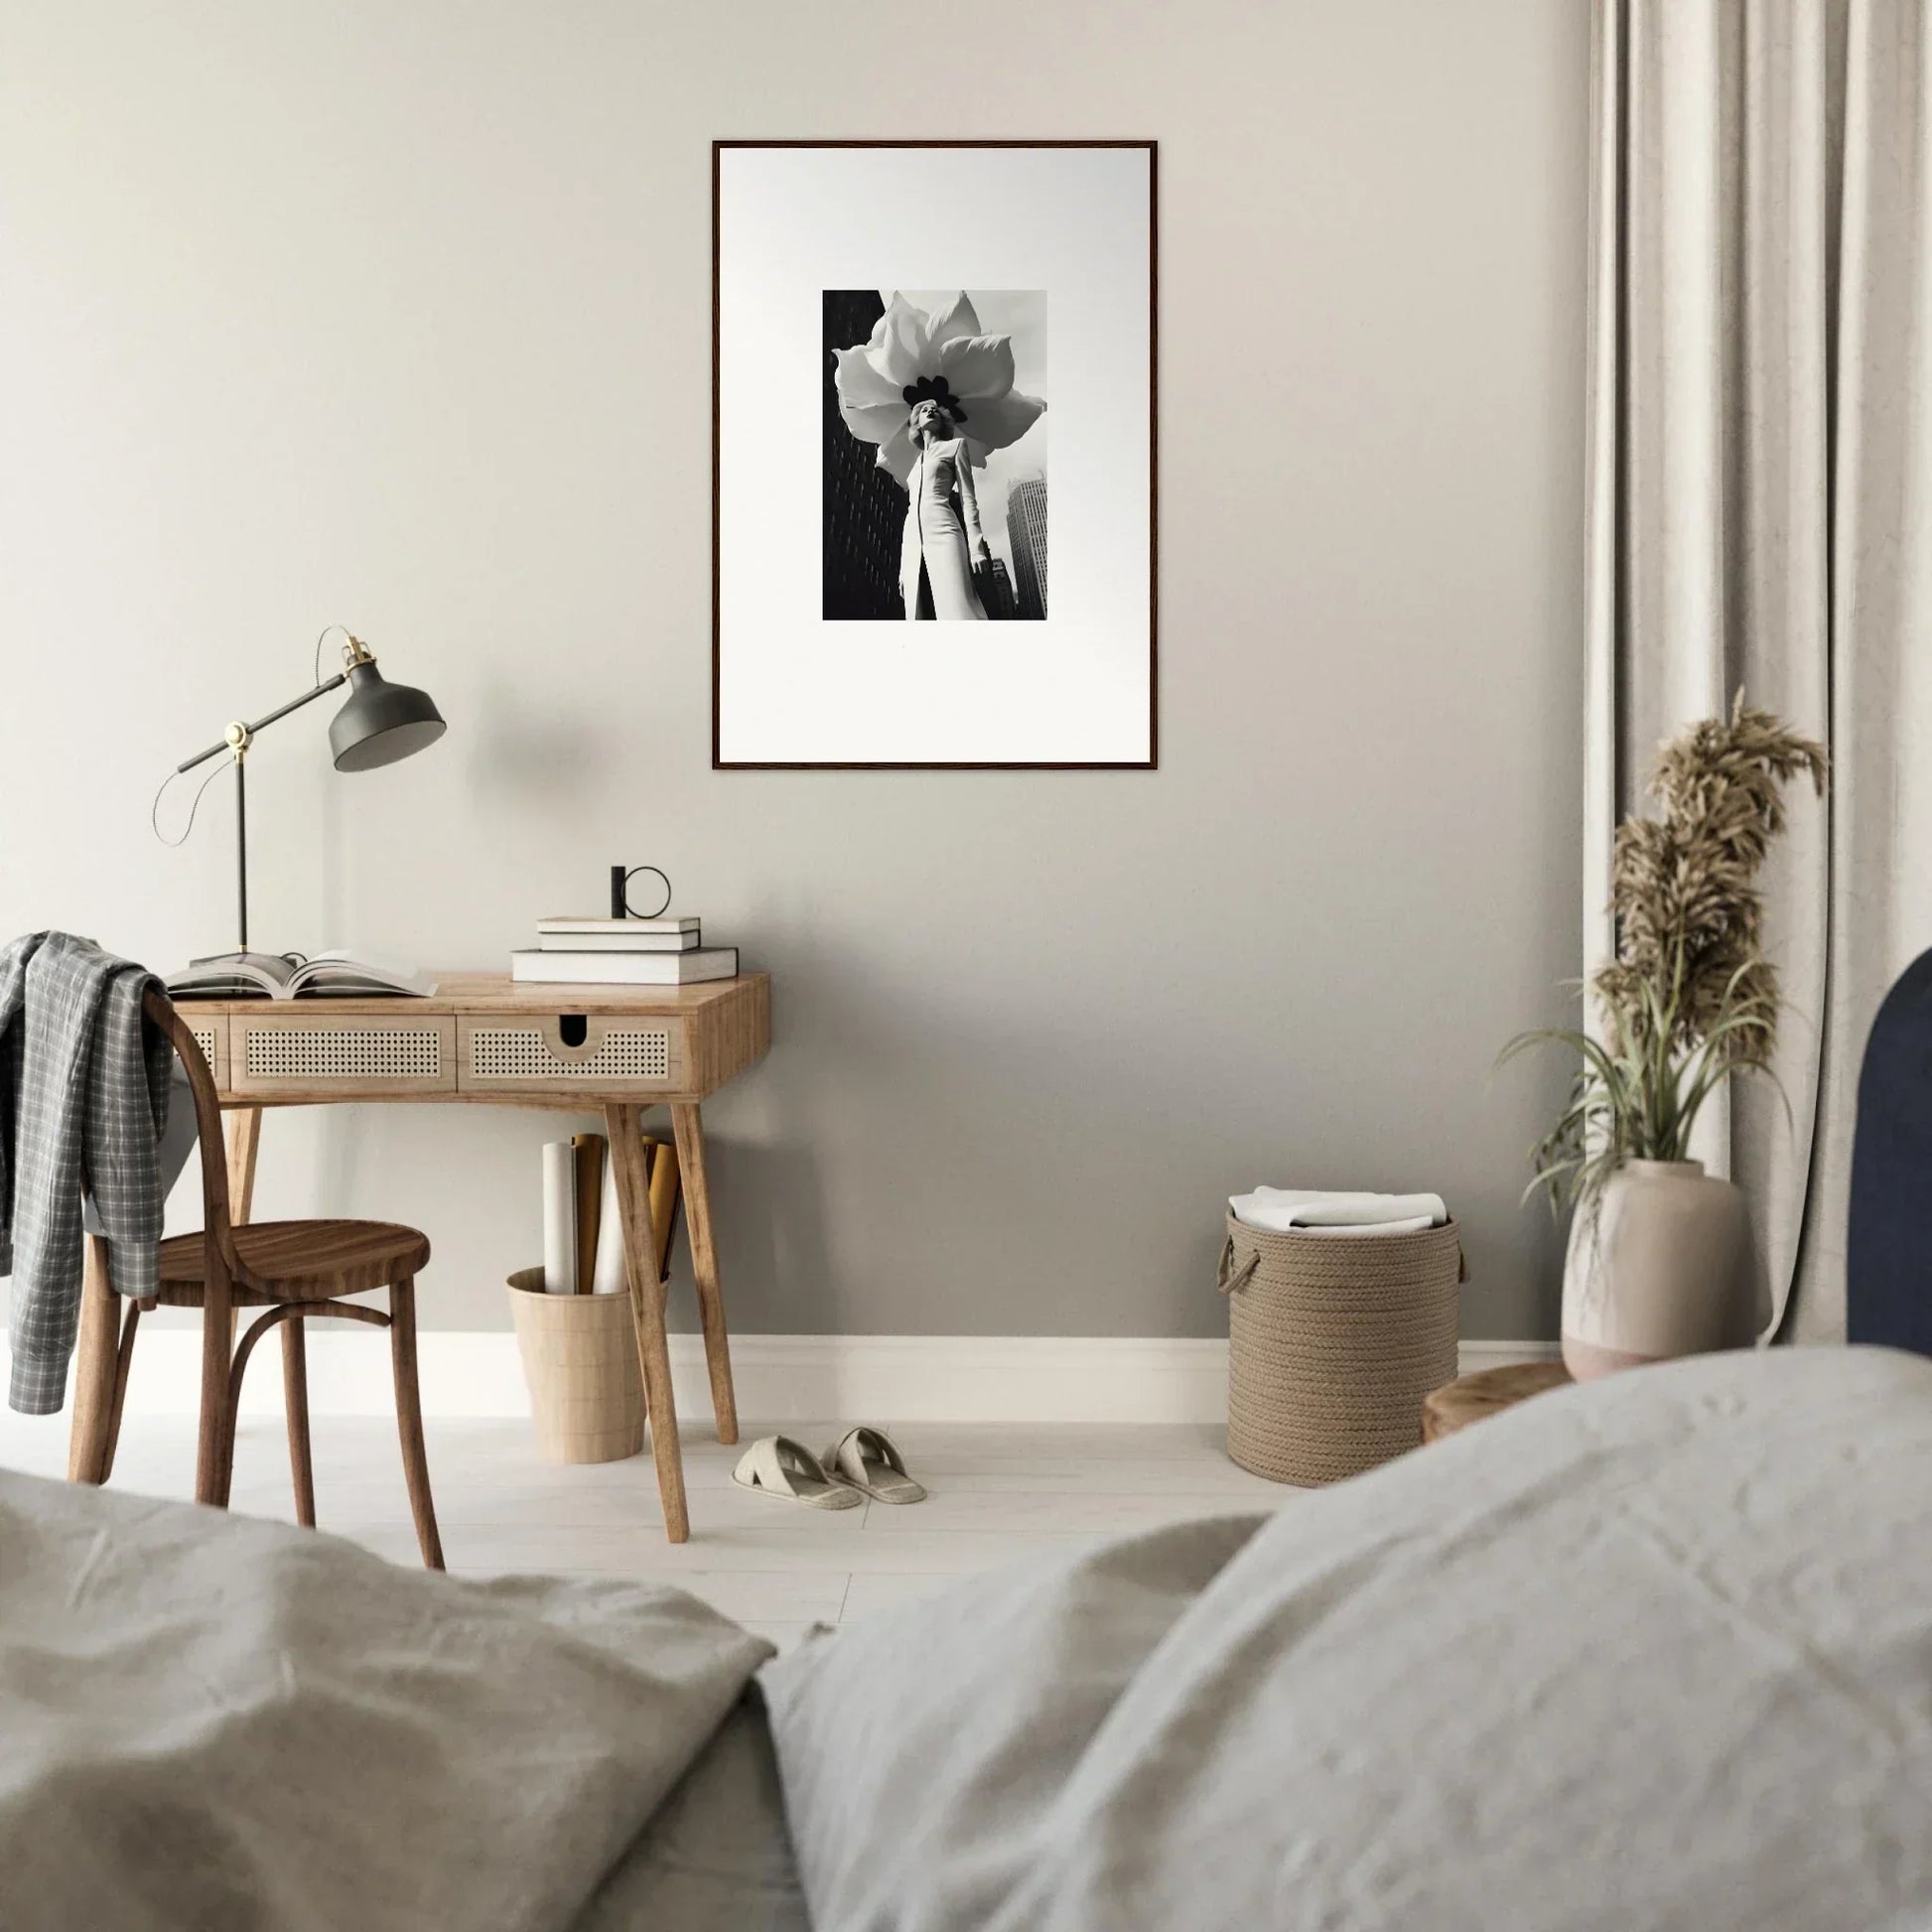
(901,575)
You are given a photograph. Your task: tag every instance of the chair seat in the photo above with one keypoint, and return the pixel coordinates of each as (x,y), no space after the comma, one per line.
(304,1261)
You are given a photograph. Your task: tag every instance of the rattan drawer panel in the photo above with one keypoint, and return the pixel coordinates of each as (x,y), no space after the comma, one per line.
(210,1031)
(319,1053)
(522,1051)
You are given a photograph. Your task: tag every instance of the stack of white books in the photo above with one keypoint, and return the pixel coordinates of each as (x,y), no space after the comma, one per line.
(621,952)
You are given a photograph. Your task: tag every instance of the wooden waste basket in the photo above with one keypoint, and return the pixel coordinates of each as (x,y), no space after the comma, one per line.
(580,1359)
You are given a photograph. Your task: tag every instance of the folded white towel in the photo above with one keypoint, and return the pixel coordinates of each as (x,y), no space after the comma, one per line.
(1318,1211)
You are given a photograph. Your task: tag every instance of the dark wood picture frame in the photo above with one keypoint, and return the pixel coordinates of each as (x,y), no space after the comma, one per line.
(1153,760)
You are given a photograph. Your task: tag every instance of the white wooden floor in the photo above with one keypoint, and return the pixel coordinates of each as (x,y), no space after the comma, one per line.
(998,1491)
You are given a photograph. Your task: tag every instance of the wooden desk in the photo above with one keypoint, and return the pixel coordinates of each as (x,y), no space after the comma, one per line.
(483,1041)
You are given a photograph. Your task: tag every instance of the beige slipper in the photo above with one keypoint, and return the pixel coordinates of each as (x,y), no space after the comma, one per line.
(866,1460)
(776,1466)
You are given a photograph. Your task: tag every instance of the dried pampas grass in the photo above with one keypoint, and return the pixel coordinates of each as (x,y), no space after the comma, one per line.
(1690,997)
(1684,887)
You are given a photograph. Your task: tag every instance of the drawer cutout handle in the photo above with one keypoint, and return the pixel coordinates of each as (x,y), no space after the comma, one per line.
(572,1038)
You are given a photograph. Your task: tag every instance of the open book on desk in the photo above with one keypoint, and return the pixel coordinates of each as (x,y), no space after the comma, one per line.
(289,976)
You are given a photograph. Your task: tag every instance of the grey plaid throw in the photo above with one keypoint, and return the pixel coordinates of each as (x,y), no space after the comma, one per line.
(83,1086)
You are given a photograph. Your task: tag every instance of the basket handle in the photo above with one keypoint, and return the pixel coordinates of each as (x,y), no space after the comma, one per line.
(1230,1279)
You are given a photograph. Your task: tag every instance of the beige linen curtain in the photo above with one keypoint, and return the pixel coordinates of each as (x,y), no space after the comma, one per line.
(1759,514)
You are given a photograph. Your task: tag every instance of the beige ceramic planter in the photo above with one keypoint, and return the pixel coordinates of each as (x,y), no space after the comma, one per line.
(1660,1268)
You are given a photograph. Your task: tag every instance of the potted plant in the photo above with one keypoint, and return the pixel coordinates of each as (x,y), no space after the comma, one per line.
(1658,1261)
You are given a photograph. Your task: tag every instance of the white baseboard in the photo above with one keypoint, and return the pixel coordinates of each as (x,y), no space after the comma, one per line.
(779,1378)
(1473,1355)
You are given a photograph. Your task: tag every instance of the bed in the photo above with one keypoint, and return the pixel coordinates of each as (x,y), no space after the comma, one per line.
(1652,1652)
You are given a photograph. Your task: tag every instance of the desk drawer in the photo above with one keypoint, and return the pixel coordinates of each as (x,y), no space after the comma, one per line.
(210,1031)
(308,1051)
(562,1051)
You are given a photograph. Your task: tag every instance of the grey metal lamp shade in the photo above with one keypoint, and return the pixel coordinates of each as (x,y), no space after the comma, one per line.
(381,722)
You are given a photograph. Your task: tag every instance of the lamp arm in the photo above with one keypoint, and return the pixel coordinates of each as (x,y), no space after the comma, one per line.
(248,731)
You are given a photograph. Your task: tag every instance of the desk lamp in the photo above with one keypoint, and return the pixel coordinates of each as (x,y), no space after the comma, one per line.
(379,724)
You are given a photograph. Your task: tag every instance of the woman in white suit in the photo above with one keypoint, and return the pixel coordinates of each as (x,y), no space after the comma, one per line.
(943,541)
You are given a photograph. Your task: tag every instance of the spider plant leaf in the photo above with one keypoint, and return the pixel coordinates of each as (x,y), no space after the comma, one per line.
(1542,1036)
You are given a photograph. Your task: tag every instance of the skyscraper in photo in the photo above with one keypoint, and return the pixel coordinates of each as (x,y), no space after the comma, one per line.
(1027,533)
(862,512)
(999,597)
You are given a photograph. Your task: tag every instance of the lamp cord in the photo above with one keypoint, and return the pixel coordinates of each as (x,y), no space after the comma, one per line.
(154,810)
(315,674)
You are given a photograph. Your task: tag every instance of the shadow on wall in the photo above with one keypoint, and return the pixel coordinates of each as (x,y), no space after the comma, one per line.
(923,1157)
(558,762)
(1024,1173)
(774,1254)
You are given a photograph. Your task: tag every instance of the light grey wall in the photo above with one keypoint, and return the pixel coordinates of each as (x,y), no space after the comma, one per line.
(400,315)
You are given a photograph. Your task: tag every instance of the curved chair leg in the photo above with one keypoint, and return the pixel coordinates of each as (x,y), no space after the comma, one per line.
(409,1416)
(295,1400)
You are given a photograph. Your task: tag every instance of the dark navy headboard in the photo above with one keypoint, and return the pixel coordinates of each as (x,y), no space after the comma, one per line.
(1888,1247)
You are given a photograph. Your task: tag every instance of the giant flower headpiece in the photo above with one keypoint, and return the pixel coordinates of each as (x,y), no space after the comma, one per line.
(914,357)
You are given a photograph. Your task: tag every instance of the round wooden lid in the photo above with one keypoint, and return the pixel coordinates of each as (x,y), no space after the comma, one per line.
(1486,1393)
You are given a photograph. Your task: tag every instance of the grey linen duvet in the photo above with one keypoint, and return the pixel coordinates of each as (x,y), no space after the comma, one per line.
(215,1723)
(1651,1654)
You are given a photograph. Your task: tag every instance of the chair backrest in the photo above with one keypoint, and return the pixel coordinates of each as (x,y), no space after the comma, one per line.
(217,1224)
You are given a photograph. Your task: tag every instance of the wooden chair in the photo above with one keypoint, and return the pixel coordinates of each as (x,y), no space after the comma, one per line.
(292,1270)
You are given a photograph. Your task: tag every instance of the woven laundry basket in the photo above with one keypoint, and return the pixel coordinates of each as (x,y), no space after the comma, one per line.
(1333,1341)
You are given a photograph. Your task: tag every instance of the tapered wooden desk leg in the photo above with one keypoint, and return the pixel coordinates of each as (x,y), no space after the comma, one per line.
(295,1401)
(94,1362)
(245,1130)
(689,1129)
(244,1126)
(626,1129)
(123,1367)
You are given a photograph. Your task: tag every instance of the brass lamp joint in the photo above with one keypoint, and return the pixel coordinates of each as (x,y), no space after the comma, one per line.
(239,738)
(355,652)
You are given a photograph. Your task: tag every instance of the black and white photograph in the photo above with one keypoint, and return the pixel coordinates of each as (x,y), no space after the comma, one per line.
(934,481)
(900,326)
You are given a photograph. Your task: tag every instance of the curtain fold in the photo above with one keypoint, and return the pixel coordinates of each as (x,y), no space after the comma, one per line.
(1759,371)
